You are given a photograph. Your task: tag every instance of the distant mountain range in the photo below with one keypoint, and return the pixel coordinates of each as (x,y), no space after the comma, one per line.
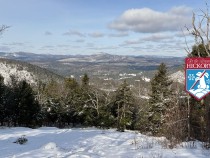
(97,64)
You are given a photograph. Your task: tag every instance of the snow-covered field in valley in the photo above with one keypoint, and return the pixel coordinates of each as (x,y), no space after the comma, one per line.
(48,142)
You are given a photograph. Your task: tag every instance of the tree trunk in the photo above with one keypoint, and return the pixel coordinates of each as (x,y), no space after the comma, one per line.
(118,116)
(208,122)
(188,117)
(207,109)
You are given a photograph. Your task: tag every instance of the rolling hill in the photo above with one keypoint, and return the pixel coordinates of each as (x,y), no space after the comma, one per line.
(95,65)
(23,70)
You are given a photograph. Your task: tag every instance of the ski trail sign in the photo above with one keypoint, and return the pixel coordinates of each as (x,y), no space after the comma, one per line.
(197,79)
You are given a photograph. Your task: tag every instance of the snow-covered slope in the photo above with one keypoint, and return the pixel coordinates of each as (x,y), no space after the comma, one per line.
(21,73)
(91,143)
(146,79)
(178,77)
(22,70)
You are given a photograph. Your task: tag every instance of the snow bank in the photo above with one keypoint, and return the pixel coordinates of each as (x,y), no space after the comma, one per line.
(178,77)
(49,146)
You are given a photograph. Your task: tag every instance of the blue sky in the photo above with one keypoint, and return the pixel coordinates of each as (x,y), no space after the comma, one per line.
(127,27)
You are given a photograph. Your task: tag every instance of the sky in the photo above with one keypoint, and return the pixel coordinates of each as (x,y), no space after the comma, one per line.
(122,27)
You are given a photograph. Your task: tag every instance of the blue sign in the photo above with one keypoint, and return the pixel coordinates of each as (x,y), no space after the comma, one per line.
(197,77)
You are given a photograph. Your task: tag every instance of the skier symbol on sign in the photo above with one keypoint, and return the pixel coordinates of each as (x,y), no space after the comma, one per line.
(197,79)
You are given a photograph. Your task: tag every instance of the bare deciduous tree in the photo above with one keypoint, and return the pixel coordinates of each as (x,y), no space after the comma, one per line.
(200,30)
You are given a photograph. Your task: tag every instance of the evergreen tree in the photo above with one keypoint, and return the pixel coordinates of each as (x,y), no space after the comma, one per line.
(159,98)
(53,89)
(72,101)
(85,80)
(2,104)
(94,107)
(123,108)
(2,86)
(12,101)
(71,84)
(54,111)
(29,108)
(198,50)
(84,100)
(23,108)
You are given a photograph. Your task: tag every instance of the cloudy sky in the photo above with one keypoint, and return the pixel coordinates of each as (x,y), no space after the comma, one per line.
(127,27)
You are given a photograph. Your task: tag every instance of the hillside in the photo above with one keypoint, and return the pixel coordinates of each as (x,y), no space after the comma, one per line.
(106,71)
(178,76)
(23,70)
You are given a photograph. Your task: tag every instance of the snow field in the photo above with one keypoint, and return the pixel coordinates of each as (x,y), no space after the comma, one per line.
(49,142)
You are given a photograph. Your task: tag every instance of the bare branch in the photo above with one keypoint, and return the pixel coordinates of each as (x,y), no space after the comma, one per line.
(197,33)
(186,49)
(3,28)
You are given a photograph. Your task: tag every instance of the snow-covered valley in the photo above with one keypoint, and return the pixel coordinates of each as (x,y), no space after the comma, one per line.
(49,142)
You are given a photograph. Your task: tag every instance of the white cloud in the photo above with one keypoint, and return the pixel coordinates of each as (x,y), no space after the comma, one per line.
(184,33)
(104,48)
(96,34)
(120,34)
(146,20)
(157,37)
(131,42)
(74,33)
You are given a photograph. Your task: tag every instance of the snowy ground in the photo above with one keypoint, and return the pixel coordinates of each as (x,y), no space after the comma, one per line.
(90,143)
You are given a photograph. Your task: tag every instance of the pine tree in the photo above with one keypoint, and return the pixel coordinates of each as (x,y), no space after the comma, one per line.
(1,87)
(54,112)
(123,108)
(198,50)
(159,98)
(2,105)
(23,108)
(71,83)
(12,101)
(85,80)
(29,107)
(72,101)
(52,90)
(84,100)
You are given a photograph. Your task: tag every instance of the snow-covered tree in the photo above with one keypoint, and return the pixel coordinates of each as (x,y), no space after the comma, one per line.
(27,104)
(85,80)
(123,107)
(159,98)
(2,104)
(23,109)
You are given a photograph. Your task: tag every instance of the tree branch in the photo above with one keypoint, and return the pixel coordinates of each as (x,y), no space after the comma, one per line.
(3,28)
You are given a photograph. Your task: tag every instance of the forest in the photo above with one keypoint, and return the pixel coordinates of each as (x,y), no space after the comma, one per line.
(168,112)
